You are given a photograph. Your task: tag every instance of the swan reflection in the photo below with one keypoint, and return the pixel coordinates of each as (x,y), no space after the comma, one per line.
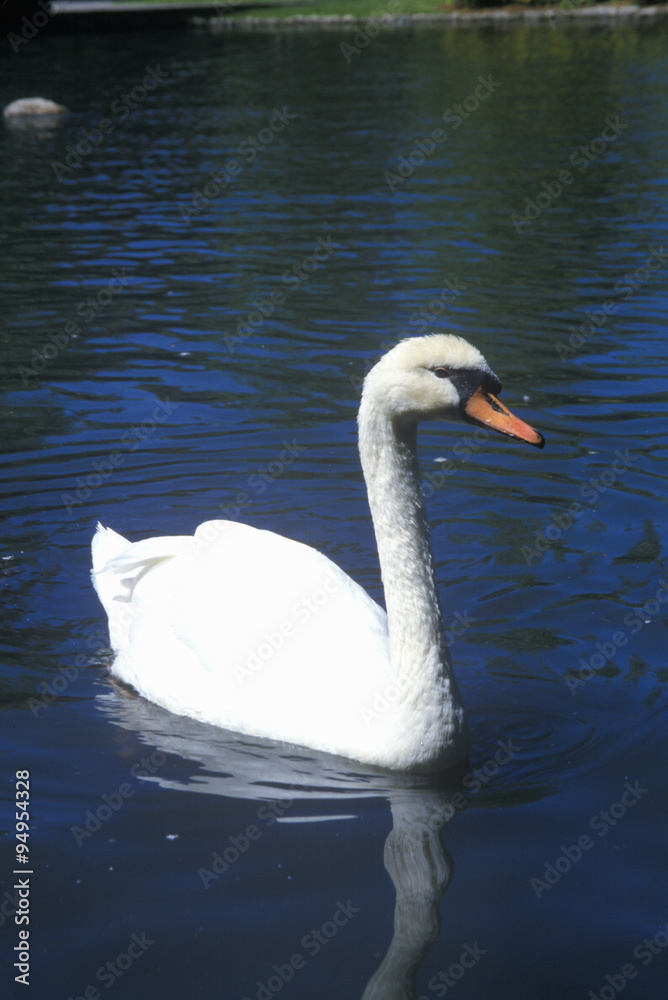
(278,777)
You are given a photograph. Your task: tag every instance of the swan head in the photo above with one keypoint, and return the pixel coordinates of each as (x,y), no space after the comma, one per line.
(441,376)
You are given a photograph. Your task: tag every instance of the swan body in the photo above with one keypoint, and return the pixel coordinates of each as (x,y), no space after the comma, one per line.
(254,632)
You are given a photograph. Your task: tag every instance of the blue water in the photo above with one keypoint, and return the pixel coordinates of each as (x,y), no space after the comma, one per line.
(159,347)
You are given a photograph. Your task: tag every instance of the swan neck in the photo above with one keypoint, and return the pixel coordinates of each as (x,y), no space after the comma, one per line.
(388,451)
(429,701)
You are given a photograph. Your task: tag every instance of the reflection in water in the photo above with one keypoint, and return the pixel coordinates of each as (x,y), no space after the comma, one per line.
(421,870)
(237,766)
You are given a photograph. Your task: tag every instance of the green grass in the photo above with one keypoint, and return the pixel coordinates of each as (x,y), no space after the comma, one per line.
(358,8)
(283,8)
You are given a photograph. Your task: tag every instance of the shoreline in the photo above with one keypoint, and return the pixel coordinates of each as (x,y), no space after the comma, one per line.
(460,18)
(102,16)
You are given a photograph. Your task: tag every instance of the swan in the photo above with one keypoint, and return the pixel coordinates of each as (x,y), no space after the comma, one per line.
(245,629)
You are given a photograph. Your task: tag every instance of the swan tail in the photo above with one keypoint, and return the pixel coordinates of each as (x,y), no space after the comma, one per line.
(117,565)
(107,544)
(110,587)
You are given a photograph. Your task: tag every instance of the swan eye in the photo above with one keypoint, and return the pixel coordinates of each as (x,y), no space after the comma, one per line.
(442,372)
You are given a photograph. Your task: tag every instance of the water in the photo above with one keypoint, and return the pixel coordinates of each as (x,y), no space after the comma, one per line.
(143,386)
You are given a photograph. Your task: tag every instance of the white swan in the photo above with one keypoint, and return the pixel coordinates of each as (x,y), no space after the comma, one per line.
(260,634)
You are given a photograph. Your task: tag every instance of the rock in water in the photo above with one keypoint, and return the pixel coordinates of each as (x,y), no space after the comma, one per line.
(33,107)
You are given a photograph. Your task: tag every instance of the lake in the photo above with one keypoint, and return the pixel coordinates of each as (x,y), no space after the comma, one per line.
(202,261)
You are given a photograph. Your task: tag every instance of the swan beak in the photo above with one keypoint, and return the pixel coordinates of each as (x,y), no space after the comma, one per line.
(485,409)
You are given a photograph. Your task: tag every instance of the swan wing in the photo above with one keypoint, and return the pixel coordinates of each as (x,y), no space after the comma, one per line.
(242,628)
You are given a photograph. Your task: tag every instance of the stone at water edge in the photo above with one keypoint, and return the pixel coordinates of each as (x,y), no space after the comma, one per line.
(33,107)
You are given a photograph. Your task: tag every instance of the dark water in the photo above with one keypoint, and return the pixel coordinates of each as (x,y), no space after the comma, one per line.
(142,385)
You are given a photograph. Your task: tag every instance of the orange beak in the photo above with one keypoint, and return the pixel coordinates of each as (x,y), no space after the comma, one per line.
(485,409)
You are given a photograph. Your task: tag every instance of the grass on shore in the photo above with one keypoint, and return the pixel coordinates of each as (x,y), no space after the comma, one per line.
(339,8)
(356,8)
(366,8)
